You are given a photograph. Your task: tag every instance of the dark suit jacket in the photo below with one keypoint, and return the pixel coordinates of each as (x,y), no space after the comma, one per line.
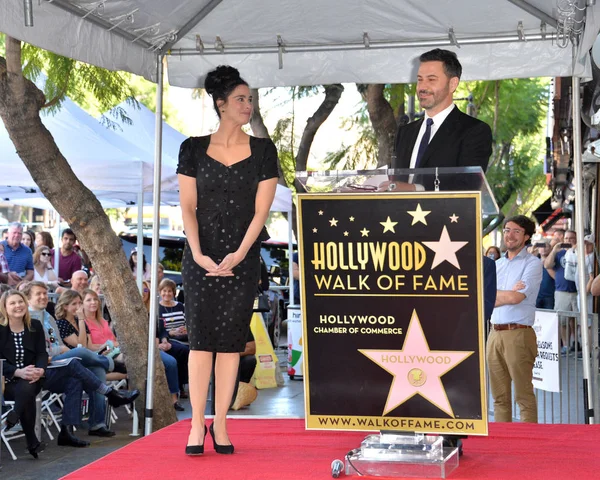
(460,141)
(34,343)
(489,287)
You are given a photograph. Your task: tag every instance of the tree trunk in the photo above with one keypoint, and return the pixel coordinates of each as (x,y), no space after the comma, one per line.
(20,104)
(332,97)
(383,121)
(259,129)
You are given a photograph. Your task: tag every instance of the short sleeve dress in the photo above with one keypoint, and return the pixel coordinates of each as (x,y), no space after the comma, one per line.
(219,309)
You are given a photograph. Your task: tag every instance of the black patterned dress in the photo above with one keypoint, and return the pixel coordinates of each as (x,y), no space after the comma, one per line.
(219,309)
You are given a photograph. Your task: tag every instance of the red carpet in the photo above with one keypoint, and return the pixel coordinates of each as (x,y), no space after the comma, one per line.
(283,450)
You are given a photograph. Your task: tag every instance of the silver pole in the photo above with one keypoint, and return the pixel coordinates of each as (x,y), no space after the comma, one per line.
(155,241)
(291,253)
(140,235)
(581,270)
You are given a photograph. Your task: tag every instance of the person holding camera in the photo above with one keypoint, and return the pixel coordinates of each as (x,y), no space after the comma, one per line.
(565,295)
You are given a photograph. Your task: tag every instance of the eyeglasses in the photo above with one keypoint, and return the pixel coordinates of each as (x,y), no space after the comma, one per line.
(516,231)
(50,334)
(45,254)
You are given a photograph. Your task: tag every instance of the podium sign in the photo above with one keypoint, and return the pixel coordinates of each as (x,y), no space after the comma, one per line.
(392,308)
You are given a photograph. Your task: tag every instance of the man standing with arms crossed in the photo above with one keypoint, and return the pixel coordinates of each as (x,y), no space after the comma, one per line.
(512,344)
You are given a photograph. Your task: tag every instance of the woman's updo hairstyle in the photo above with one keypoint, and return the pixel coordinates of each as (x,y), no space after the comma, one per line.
(220,82)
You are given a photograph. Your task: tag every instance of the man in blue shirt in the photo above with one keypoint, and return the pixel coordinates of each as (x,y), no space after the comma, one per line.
(18,256)
(512,344)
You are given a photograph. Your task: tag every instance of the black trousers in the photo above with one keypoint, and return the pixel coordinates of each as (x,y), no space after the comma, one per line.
(23,394)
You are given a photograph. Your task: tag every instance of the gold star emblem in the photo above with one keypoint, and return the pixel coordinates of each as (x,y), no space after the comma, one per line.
(454,218)
(388,225)
(315,230)
(414,375)
(346,234)
(351,219)
(333,222)
(365,232)
(320,212)
(419,215)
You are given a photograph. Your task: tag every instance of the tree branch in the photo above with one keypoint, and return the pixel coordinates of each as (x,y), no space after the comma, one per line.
(60,94)
(332,97)
(257,123)
(13,55)
(383,121)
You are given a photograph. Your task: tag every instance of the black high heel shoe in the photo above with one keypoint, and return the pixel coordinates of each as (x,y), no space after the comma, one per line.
(39,448)
(193,450)
(224,449)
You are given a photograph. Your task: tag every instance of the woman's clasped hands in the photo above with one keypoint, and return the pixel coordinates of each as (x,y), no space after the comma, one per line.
(223,269)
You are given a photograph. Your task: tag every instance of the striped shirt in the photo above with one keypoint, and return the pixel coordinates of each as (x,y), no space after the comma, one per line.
(172,317)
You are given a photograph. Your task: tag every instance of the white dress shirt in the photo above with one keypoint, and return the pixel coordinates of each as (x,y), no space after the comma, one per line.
(437,122)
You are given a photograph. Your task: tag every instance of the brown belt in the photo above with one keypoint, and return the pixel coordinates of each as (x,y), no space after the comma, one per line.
(508,326)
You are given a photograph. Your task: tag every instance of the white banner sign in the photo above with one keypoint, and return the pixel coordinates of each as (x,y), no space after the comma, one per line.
(546,367)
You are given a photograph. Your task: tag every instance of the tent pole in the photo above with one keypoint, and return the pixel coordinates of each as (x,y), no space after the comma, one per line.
(57,246)
(291,253)
(155,242)
(140,235)
(581,270)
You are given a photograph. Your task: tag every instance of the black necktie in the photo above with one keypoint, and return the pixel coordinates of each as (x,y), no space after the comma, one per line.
(424,142)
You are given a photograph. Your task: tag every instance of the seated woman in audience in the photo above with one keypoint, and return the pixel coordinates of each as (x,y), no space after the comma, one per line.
(133,262)
(28,239)
(42,267)
(169,362)
(96,286)
(45,239)
(171,330)
(171,312)
(23,347)
(70,320)
(100,336)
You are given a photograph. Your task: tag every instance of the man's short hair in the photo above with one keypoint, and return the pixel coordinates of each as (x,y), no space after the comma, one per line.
(18,225)
(68,231)
(523,222)
(31,285)
(560,230)
(452,67)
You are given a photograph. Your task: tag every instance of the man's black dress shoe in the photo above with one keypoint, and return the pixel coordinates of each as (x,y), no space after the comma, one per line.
(101,432)
(66,438)
(39,448)
(193,450)
(177,406)
(118,398)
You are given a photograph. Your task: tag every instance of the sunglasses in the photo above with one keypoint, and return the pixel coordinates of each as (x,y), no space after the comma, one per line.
(146,290)
(45,254)
(51,335)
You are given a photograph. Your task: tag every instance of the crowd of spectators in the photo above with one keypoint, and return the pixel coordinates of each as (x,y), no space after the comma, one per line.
(78,332)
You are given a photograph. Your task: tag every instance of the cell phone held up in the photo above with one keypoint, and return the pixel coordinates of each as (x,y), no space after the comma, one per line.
(565,245)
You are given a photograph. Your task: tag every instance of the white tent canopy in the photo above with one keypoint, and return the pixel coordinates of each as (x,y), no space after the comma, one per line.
(287,42)
(312,42)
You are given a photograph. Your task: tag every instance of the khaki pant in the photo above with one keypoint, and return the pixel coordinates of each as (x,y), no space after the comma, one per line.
(510,356)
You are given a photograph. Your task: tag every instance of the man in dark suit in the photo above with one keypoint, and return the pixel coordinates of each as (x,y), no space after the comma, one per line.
(445,137)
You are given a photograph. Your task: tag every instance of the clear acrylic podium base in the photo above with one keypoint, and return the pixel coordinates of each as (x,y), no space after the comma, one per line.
(402,455)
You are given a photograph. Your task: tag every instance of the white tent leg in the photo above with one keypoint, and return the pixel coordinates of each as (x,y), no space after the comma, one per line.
(291,253)
(155,242)
(581,270)
(140,237)
(57,244)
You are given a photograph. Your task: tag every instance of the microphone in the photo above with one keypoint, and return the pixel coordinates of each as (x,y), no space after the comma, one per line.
(336,468)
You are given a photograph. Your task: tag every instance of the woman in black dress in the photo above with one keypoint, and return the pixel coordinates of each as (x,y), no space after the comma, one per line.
(227,183)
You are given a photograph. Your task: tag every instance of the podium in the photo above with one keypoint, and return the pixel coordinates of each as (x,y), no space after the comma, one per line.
(392,302)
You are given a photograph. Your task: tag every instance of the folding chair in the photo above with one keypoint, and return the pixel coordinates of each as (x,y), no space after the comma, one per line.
(13,433)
